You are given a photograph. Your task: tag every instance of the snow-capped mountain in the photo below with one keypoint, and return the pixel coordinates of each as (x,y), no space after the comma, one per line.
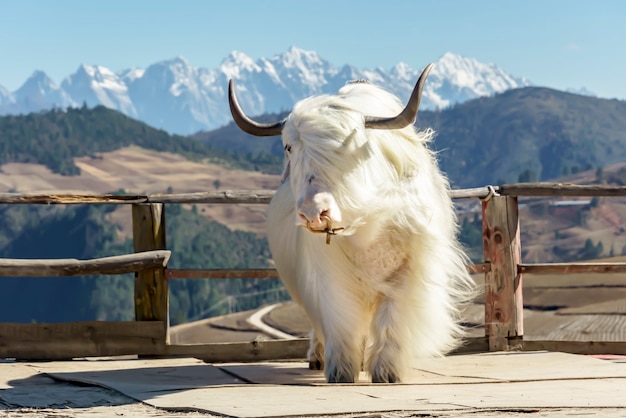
(39,92)
(96,85)
(456,79)
(175,96)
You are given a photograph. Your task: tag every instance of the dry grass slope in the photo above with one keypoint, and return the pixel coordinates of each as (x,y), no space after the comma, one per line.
(138,170)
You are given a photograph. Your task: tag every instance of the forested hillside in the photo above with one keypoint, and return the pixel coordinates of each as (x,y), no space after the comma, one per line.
(82,232)
(56,137)
(528,134)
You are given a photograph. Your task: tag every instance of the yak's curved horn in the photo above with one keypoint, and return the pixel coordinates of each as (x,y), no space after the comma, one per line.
(245,123)
(407,116)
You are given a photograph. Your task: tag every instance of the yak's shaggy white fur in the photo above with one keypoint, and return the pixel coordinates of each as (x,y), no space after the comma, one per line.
(388,288)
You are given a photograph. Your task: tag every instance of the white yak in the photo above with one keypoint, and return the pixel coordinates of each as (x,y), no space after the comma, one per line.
(364,233)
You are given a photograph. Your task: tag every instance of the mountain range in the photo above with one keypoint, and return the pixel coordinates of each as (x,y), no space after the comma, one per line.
(182,99)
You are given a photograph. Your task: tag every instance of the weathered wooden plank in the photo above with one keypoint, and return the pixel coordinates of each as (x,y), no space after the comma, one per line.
(119,264)
(264,196)
(151,290)
(560,189)
(565,268)
(226,196)
(68,199)
(577,347)
(273,350)
(503,283)
(476,192)
(96,339)
(80,339)
(246,351)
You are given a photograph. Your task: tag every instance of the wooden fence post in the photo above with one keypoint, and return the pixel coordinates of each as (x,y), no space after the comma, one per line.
(151,290)
(504,307)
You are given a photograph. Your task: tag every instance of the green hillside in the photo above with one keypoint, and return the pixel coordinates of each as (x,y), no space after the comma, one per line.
(56,137)
(528,134)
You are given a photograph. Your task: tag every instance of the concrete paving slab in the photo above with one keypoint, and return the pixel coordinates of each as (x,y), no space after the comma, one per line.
(524,366)
(138,376)
(279,401)
(475,368)
(580,393)
(22,386)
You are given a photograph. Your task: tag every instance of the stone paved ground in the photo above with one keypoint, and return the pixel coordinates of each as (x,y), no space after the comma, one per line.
(85,401)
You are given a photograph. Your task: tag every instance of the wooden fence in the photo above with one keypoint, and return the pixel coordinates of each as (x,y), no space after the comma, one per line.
(148,335)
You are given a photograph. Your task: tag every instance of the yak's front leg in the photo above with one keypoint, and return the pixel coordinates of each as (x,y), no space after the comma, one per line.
(388,355)
(342,360)
(344,327)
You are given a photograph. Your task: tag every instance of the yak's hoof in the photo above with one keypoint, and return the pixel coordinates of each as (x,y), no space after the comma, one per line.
(385,378)
(316,365)
(334,376)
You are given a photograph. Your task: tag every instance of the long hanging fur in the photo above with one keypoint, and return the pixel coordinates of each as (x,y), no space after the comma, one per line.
(388,289)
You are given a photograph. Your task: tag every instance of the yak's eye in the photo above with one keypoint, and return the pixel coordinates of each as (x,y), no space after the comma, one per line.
(288,148)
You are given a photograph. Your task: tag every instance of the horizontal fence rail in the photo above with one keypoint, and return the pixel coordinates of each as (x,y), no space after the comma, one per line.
(559,190)
(572,268)
(264,196)
(228,196)
(67,340)
(120,264)
(149,333)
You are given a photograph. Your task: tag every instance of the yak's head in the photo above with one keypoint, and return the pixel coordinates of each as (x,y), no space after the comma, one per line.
(325,139)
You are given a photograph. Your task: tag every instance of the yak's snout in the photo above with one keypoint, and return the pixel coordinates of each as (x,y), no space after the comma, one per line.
(315,210)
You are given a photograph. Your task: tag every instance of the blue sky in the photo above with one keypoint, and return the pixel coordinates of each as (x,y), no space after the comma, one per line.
(553,43)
